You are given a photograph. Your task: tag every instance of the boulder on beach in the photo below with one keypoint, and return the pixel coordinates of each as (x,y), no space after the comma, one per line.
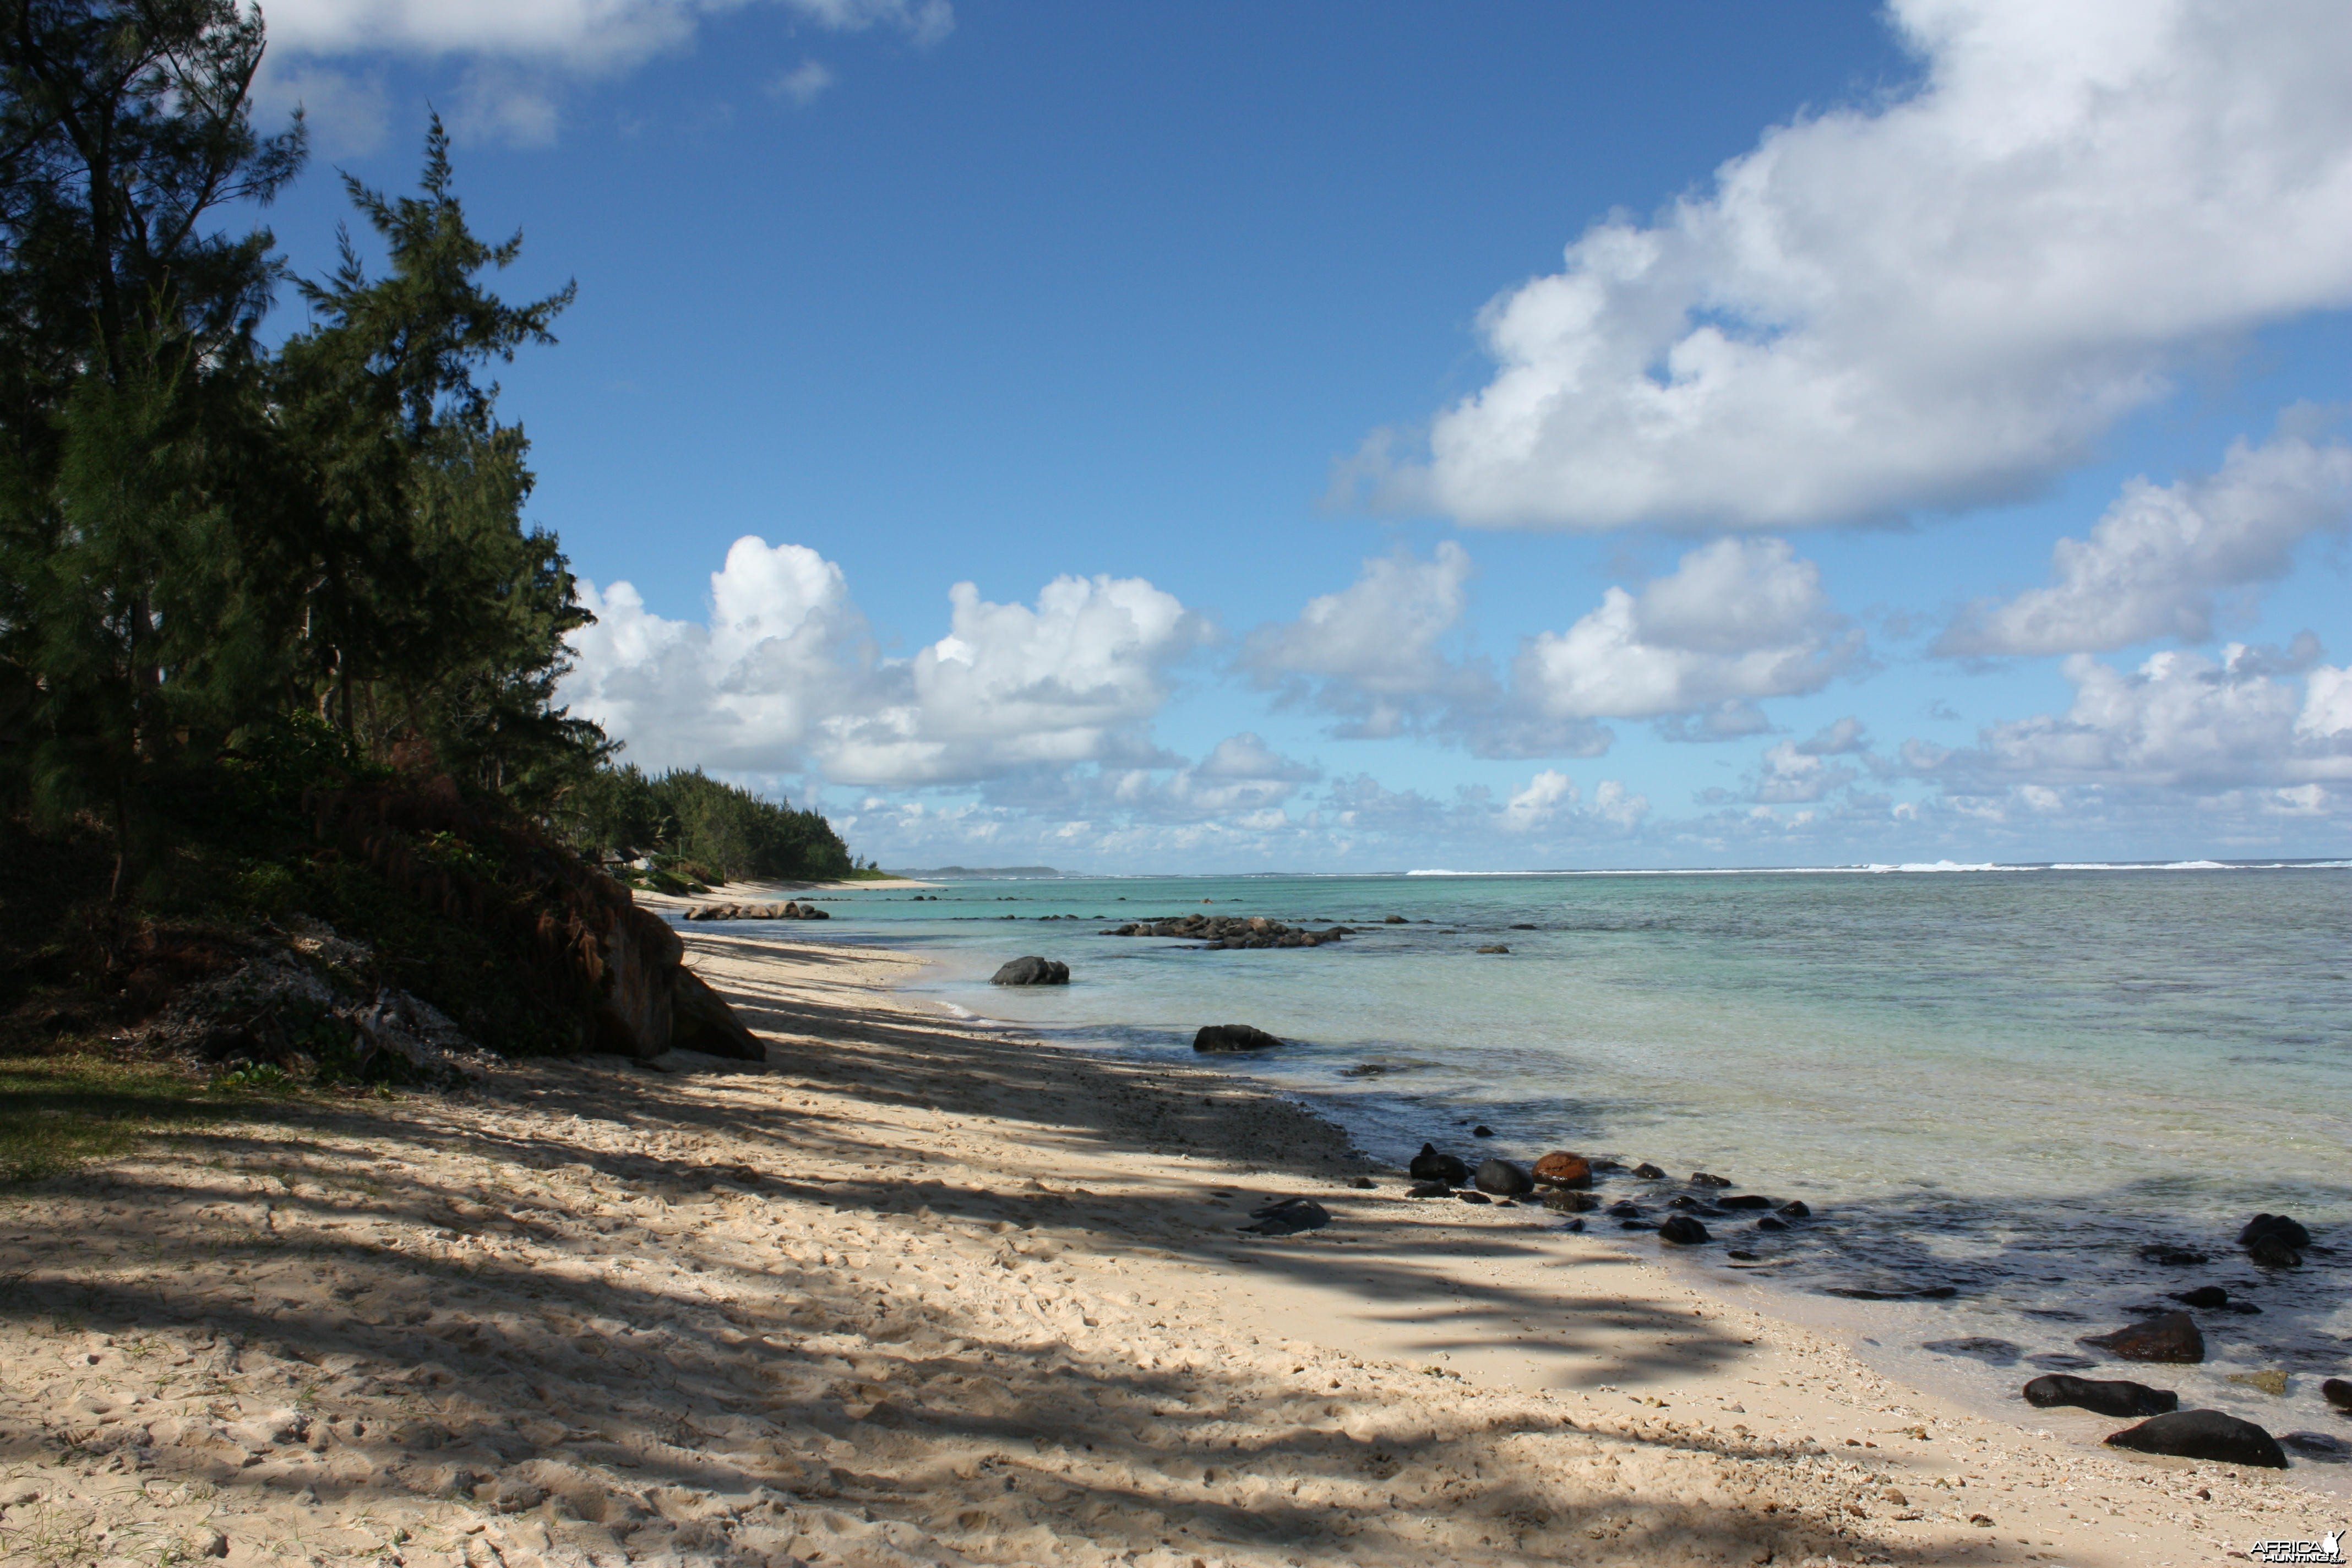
(1233,1037)
(2203,1435)
(2277,1226)
(1289,1217)
(2113,1397)
(1429,1165)
(1684,1231)
(2174,1337)
(1032,971)
(1429,1190)
(701,1021)
(1567,1202)
(1563,1169)
(1504,1179)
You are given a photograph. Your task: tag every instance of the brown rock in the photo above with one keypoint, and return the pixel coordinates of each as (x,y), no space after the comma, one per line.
(2174,1337)
(1563,1169)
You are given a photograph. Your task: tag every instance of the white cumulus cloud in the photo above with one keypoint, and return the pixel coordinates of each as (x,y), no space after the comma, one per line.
(1928,303)
(1736,620)
(783,677)
(2178,721)
(2155,563)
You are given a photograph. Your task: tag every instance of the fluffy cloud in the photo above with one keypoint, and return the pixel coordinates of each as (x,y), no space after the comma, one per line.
(592,34)
(1930,302)
(784,678)
(1373,652)
(1552,801)
(2155,562)
(1736,620)
(2179,722)
(1791,776)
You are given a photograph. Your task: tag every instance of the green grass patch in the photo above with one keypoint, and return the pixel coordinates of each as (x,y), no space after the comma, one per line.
(57,1112)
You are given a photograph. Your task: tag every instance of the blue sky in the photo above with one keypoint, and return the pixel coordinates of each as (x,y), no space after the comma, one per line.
(1383,436)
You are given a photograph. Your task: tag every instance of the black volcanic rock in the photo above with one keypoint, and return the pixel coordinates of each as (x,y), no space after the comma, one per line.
(1429,1165)
(1233,1037)
(1032,971)
(2104,1398)
(1504,1179)
(2203,1435)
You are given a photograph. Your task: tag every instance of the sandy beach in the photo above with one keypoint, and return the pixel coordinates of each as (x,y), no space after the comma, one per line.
(922,1291)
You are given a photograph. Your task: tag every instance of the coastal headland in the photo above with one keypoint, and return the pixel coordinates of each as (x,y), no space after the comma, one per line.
(924,1290)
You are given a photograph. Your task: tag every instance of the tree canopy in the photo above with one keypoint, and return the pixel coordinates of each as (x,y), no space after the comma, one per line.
(207,543)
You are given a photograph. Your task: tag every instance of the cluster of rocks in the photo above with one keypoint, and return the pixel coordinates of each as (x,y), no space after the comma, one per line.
(1565,1179)
(311,1004)
(791,909)
(2270,1241)
(1218,932)
(2274,1241)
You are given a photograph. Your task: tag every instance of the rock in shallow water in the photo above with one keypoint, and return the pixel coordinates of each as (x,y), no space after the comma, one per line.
(2173,1337)
(1429,1190)
(2115,1397)
(1032,971)
(2203,1296)
(1648,1172)
(1563,1169)
(1429,1165)
(1504,1179)
(1233,1037)
(2271,1252)
(2338,1393)
(1684,1231)
(1795,1209)
(1571,1202)
(1702,1179)
(2203,1435)
(2276,1226)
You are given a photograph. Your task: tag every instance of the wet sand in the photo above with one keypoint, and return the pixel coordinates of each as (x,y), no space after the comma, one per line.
(922,1291)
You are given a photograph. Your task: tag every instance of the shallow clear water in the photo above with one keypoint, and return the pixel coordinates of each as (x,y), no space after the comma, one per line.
(2005,1083)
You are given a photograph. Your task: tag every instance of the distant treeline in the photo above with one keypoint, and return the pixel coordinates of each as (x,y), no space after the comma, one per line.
(711,830)
(217,554)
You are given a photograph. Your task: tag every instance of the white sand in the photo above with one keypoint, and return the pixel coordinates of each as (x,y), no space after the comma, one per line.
(924,1293)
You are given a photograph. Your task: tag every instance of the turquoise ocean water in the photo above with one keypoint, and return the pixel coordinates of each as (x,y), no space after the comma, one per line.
(2001,1084)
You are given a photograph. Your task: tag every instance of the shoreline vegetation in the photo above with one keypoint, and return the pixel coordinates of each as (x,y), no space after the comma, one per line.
(915,1289)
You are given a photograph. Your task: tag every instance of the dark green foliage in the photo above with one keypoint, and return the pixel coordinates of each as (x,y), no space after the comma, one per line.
(713,831)
(276,641)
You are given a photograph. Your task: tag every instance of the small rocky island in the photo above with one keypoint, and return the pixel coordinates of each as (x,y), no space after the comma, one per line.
(1216,931)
